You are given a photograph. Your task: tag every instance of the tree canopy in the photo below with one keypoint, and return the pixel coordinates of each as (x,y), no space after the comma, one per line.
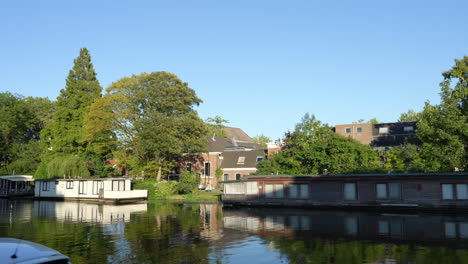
(313,148)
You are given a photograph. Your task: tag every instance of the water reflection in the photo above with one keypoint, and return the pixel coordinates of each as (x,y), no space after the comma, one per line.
(207,233)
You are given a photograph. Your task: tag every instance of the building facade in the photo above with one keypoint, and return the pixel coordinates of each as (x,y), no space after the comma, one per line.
(378,136)
(233,158)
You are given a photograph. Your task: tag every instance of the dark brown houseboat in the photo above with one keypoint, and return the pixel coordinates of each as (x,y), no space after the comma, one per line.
(406,190)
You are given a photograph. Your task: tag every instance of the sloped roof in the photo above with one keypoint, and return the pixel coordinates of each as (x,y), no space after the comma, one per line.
(231,158)
(219,144)
(238,134)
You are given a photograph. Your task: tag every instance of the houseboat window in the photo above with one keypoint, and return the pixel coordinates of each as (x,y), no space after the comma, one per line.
(447,192)
(348,130)
(359,129)
(226,177)
(350,191)
(381,191)
(207,169)
(234,188)
(45,185)
(279,190)
(238,176)
(388,190)
(188,167)
(118,185)
(251,187)
(394,190)
(69,184)
(82,187)
(269,190)
(298,191)
(462,191)
(97,185)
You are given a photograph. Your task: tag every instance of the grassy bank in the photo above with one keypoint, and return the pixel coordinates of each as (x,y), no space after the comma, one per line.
(167,190)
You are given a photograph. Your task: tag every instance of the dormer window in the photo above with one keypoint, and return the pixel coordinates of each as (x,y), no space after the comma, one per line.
(259,158)
(241,160)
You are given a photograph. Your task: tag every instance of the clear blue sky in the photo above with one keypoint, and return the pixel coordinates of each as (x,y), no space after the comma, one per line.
(259,64)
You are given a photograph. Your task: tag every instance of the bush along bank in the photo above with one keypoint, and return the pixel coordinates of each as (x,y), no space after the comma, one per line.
(186,189)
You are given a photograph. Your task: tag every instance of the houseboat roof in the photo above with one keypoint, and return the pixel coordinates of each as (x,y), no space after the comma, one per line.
(84,179)
(451,175)
(18,178)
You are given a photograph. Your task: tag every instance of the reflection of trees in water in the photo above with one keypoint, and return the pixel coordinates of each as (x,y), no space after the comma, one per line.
(168,233)
(83,243)
(303,250)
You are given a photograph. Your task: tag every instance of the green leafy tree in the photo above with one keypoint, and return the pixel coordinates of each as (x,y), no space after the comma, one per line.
(188,183)
(313,148)
(443,128)
(154,119)
(409,116)
(18,126)
(262,140)
(216,126)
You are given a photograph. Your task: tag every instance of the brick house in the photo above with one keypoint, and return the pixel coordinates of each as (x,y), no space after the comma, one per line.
(236,156)
(378,136)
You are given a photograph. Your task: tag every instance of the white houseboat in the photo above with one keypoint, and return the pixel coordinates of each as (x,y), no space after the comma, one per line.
(113,190)
(16,186)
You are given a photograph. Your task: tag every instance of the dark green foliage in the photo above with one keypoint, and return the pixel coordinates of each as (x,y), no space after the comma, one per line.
(314,148)
(67,150)
(81,90)
(188,183)
(155,121)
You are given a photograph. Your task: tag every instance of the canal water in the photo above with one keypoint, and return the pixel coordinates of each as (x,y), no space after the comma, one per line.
(209,233)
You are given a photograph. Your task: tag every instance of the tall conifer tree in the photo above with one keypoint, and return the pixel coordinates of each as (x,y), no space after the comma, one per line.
(65,135)
(81,90)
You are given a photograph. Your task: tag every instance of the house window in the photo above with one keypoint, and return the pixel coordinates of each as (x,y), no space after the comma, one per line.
(300,191)
(408,128)
(359,129)
(45,185)
(383,130)
(274,190)
(350,192)
(241,160)
(69,184)
(259,158)
(82,187)
(447,192)
(348,130)
(238,176)
(226,177)
(207,169)
(188,167)
(118,185)
(387,190)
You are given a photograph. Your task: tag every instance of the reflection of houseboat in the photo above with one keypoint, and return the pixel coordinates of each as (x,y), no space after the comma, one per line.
(16,186)
(429,229)
(87,212)
(420,191)
(114,190)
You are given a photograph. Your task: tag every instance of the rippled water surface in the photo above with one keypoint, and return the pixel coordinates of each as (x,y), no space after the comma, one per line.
(207,233)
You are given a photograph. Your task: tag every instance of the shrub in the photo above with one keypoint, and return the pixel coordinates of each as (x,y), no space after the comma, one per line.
(187,183)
